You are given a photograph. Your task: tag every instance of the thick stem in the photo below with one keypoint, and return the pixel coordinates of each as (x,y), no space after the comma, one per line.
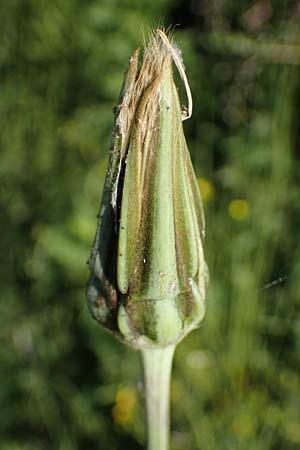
(157,374)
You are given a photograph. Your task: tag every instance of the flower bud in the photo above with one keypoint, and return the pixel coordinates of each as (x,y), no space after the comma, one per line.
(148,274)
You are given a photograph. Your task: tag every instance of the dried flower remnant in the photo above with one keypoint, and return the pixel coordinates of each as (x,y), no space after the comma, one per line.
(148,274)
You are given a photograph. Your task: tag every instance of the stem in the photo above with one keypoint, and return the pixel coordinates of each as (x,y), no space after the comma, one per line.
(157,375)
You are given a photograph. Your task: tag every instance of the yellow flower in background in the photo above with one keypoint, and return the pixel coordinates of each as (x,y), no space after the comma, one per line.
(206,189)
(239,209)
(123,410)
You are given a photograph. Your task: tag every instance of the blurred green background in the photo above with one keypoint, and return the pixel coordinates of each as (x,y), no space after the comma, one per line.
(65,384)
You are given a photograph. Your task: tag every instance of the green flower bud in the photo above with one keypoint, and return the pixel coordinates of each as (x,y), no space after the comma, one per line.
(148,274)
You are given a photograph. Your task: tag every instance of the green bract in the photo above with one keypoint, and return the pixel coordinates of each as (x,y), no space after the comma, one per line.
(148,274)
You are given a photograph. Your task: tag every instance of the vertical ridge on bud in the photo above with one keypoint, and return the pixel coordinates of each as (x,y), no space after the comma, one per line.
(156,273)
(148,274)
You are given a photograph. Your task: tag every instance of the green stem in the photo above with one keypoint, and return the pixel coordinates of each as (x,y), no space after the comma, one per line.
(157,375)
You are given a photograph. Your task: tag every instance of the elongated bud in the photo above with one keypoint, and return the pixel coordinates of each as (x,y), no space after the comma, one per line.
(148,274)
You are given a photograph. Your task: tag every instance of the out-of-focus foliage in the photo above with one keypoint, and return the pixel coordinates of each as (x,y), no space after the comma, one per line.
(64,383)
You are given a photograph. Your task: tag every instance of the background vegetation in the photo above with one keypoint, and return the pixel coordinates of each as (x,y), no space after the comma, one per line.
(67,385)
